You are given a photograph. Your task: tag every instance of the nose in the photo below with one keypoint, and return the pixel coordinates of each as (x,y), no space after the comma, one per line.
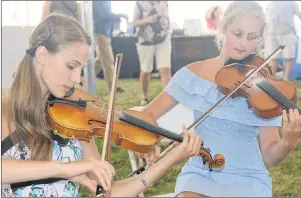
(244,41)
(76,77)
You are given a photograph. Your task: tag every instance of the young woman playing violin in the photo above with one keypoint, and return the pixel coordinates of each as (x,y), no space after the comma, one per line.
(32,155)
(232,128)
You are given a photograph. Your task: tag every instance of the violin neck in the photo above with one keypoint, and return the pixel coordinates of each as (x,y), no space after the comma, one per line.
(274,93)
(150,127)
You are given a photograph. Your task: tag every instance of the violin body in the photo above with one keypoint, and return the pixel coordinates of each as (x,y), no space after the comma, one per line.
(262,104)
(78,116)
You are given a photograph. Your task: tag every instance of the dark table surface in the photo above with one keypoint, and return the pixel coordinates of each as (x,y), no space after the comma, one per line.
(185,50)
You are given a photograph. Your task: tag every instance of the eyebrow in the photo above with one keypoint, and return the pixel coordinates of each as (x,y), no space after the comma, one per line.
(244,31)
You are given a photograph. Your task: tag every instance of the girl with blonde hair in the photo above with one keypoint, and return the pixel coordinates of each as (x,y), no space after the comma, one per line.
(231,129)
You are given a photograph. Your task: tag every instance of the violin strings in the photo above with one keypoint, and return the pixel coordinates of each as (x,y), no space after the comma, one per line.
(267,89)
(285,100)
(274,93)
(277,95)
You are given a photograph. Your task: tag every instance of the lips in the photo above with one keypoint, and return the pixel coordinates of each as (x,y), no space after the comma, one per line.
(240,50)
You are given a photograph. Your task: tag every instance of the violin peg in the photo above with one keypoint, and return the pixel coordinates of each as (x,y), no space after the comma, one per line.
(249,105)
(204,161)
(210,167)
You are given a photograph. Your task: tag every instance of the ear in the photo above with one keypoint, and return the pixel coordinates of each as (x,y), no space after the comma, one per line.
(41,54)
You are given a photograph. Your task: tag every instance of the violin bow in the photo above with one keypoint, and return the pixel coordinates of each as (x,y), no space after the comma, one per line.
(200,119)
(106,149)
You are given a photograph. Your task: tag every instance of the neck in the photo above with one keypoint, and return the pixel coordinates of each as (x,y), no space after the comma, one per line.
(223,57)
(45,97)
(44,90)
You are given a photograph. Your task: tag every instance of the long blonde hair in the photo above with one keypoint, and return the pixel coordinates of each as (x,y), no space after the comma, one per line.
(26,105)
(236,10)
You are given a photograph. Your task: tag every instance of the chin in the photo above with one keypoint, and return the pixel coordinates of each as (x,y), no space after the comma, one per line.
(58,93)
(238,56)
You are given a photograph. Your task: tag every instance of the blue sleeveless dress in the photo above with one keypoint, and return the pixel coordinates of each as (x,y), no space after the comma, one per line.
(231,130)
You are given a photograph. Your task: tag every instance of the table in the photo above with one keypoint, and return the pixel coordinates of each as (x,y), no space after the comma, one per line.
(185,50)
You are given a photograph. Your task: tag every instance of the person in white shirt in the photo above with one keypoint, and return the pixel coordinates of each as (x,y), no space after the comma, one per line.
(281,31)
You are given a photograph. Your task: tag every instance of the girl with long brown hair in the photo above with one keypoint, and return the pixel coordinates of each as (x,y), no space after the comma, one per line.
(32,155)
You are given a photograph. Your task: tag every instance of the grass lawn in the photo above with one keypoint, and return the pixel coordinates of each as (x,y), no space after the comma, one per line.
(286,176)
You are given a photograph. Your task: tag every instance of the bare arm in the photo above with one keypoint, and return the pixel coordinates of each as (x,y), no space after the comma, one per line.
(90,151)
(273,148)
(164,102)
(14,171)
(45,11)
(131,187)
(160,105)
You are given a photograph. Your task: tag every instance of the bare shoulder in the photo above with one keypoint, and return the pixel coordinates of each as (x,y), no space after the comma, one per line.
(205,69)
(196,66)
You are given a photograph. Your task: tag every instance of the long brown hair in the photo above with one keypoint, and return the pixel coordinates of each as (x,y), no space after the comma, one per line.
(26,105)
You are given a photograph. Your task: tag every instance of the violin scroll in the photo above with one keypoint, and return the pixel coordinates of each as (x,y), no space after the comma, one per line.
(217,162)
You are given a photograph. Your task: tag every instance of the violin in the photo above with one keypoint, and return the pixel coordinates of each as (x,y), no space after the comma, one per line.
(77,116)
(266,95)
(83,116)
(243,76)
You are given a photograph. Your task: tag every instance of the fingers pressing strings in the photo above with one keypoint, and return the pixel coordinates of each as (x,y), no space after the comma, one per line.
(297,118)
(291,119)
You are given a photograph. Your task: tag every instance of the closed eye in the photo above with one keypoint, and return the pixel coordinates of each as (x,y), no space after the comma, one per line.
(252,37)
(237,34)
(71,67)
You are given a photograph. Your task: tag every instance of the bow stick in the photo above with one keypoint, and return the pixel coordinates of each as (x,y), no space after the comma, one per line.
(106,149)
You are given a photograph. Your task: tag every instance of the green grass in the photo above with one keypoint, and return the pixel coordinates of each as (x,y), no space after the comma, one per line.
(286,176)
